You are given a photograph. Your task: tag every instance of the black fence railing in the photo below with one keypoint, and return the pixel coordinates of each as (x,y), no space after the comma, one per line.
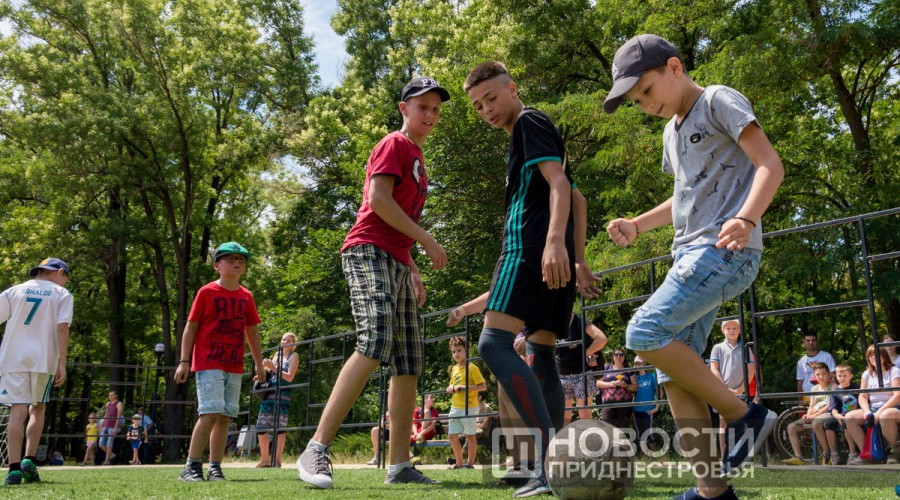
(67,413)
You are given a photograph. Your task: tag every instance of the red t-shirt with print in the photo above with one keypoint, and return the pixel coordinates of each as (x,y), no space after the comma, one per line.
(398,157)
(223,316)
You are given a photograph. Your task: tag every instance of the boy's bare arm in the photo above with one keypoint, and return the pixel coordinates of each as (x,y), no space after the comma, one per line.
(585,280)
(473,306)
(555,261)
(598,338)
(62,338)
(187,349)
(769,174)
(252,333)
(381,188)
(623,231)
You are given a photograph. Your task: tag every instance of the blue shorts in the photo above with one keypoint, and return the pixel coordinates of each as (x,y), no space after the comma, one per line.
(684,307)
(218,392)
(107,437)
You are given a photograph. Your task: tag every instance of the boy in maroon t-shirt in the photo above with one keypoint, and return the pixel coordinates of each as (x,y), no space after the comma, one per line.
(212,346)
(385,287)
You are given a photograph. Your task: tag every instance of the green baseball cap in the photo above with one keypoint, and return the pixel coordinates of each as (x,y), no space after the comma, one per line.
(230,248)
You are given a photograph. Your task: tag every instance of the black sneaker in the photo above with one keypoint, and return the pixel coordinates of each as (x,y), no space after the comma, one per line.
(30,472)
(516,477)
(408,475)
(191,473)
(14,477)
(215,473)
(746,436)
(535,486)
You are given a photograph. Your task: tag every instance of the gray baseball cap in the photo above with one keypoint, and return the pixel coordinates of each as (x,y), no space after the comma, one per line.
(633,58)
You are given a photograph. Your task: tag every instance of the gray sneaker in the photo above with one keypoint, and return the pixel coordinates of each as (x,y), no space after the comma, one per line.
(214,473)
(314,467)
(535,486)
(192,474)
(408,475)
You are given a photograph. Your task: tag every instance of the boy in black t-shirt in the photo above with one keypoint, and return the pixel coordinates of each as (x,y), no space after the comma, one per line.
(541,261)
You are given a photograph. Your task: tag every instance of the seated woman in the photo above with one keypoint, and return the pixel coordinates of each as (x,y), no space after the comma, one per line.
(884,406)
(277,404)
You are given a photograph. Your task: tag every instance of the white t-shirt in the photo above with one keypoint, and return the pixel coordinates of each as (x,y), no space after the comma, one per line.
(877,399)
(805,371)
(31,312)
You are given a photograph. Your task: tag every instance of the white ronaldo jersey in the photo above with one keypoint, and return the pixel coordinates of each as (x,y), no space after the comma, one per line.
(31,312)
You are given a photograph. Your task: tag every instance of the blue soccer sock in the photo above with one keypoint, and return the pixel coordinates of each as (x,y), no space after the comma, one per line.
(518,380)
(543,364)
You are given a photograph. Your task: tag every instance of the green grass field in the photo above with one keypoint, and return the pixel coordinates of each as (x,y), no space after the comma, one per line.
(248,483)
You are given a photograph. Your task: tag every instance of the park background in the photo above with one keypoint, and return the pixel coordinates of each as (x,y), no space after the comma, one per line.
(136,136)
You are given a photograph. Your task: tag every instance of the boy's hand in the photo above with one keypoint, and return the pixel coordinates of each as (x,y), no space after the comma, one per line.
(418,288)
(455,316)
(555,265)
(260,373)
(436,253)
(622,231)
(519,345)
(585,281)
(451,389)
(735,234)
(60,376)
(181,373)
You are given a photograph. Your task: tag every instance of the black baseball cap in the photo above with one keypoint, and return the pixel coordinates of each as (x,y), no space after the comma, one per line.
(422,84)
(51,264)
(633,58)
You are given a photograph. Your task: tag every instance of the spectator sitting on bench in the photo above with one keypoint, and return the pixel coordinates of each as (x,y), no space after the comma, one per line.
(840,405)
(483,424)
(817,411)
(386,424)
(423,431)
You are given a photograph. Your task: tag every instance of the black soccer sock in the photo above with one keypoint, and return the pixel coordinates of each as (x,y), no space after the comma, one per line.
(30,457)
(15,467)
(543,364)
(517,379)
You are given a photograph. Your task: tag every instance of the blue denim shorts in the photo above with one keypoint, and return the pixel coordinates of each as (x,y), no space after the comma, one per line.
(107,437)
(218,392)
(684,307)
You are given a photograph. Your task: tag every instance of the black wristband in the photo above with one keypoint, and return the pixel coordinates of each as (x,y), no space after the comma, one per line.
(184,361)
(744,219)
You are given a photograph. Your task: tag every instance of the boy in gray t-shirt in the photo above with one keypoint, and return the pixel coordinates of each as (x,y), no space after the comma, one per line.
(726,174)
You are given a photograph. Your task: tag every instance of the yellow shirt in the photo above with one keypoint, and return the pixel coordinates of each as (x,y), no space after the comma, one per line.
(91,433)
(457,377)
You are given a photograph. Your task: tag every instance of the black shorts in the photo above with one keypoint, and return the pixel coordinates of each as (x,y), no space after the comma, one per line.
(518,289)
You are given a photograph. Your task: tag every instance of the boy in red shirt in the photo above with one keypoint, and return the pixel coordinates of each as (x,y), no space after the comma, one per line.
(385,287)
(223,314)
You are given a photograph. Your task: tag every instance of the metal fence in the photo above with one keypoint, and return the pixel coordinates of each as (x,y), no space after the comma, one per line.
(67,415)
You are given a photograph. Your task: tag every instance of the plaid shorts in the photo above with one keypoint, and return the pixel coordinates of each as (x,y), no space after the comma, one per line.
(384,309)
